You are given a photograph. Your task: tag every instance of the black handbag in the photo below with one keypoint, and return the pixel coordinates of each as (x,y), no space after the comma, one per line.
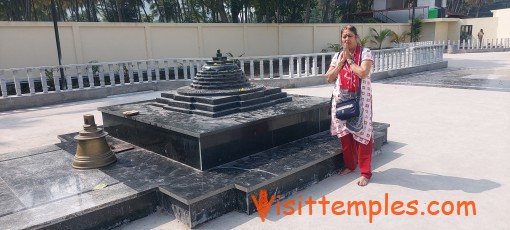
(350,108)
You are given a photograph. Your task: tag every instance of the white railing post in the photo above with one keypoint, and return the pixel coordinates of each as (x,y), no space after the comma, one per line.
(131,72)
(30,77)
(44,80)
(252,69)
(412,57)
(68,77)
(3,84)
(122,73)
(298,64)
(271,69)
(17,85)
(393,59)
(385,60)
(425,55)
(280,67)
(176,70)
(324,64)
(101,75)
(404,58)
(314,66)
(261,69)
(139,68)
(307,65)
(291,67)
(149,70)
(242,64)
(111,75)
(191,69)
(156,70)
(167,71)
(90,76)
(185,68)
(80,77)
(56,73)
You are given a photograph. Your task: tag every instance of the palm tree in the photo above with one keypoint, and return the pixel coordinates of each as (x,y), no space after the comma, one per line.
(379,37)
(395,38)
(364,40)
(416,29)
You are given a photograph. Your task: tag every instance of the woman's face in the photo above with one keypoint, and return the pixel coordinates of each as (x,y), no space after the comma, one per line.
(349,39)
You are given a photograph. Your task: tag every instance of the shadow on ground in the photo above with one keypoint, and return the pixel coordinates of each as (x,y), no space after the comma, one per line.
(424,181)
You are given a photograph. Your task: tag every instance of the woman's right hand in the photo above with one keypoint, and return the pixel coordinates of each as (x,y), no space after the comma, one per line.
(346,52)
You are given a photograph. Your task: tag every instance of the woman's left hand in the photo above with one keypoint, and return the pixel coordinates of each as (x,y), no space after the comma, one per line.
(347,53)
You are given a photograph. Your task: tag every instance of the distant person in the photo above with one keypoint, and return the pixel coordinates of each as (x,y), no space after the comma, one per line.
(480,36)
(348,70)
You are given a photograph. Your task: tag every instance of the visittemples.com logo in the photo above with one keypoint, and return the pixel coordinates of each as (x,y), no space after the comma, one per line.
(370,208)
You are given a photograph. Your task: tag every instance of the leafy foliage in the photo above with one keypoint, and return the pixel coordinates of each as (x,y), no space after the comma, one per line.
(379,37)
(364,40)
(416,29)
(185,11)
(400,38)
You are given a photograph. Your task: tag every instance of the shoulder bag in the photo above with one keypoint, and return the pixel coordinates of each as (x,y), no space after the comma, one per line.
(350,108)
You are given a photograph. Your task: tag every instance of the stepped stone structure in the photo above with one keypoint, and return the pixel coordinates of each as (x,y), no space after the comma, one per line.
(218,89)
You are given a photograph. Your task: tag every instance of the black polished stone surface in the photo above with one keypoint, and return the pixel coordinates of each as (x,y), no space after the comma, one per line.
(54,195)
(204,142)
(222,103)
(27,177)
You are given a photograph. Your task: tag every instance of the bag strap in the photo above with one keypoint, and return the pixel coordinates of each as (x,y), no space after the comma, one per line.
(358,94)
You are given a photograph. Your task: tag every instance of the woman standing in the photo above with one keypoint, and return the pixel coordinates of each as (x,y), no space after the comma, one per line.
(348,69)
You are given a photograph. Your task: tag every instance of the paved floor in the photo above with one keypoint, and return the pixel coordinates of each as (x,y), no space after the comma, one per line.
(448,141)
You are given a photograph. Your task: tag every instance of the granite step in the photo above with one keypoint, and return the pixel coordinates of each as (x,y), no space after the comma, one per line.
(141,182)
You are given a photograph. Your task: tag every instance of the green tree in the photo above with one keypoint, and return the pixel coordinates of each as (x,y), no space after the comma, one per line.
(379,37)
(416,29)
(400,38)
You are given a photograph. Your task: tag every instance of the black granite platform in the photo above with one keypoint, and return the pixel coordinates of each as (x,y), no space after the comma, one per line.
(40,189)
(205,142)
(217,104)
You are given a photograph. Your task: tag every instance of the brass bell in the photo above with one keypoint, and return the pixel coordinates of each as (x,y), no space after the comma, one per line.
(92,151)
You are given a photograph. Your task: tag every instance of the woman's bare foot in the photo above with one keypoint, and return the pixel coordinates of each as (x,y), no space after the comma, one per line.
(345,171)
(363,181)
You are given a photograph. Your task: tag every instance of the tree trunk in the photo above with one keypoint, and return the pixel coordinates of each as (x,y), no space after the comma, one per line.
(119,11)
(145,12)
(221,10)
(325,11)
(161,14)
(27,12)
(77,10)
(88,10)
(307,11)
